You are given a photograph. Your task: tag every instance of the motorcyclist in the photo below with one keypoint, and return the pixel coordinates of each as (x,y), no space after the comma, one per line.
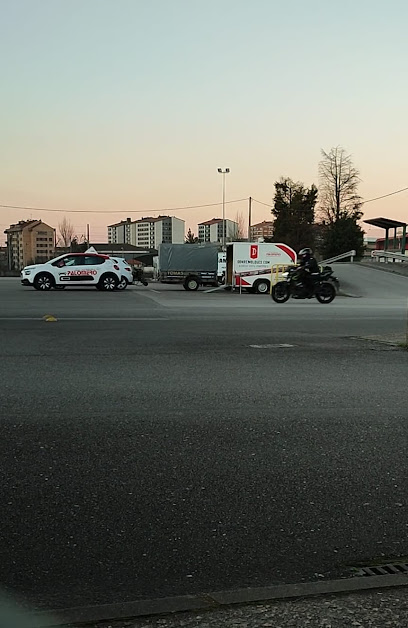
(307,267)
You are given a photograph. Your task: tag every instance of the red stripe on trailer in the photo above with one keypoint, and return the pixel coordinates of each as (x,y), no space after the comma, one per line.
(288,251)
(240,281)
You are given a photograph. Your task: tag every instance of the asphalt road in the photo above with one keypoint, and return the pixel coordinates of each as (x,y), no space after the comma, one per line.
(149,449)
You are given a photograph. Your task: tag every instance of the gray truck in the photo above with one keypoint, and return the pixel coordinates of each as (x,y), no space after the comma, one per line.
(193,265)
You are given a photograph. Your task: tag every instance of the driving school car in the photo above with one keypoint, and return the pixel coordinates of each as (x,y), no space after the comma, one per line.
(126,273)
(84,269)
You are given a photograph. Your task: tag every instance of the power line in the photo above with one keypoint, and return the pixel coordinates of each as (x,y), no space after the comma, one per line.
(370,200)
(261,203)
(164,209)
(116,211)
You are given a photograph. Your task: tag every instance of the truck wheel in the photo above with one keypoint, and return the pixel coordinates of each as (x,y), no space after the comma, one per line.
(43,281)
(262,286)
(191,283)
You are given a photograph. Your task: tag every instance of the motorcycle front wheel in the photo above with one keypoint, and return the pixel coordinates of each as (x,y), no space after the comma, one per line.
(280,292)
(326,292)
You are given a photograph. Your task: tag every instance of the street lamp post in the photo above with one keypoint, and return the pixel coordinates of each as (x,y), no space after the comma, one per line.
(224,227)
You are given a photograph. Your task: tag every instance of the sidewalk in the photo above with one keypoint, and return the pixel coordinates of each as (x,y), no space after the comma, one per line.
(367,609)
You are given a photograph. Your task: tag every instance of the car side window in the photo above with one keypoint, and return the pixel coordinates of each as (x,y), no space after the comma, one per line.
(69,260)
(74,260)
(93,260)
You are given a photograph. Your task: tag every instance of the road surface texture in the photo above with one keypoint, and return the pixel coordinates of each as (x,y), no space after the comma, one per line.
(157,442)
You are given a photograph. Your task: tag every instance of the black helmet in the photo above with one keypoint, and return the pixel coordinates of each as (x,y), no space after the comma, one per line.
(305,254)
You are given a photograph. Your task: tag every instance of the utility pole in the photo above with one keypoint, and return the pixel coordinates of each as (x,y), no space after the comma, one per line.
(87,234)
(249,217)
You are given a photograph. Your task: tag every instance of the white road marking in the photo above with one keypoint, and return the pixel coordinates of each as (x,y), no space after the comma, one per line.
(278,346)
(85,318)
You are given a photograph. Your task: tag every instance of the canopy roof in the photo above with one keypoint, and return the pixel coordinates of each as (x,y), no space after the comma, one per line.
(385,223)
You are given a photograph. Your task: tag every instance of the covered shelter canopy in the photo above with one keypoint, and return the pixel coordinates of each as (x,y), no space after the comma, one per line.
(387,224)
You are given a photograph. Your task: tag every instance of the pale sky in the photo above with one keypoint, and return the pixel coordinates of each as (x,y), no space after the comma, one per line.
(132,105)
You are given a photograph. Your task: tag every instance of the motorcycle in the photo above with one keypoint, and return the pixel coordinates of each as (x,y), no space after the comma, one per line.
(293,286)
(138,277)
(327,274)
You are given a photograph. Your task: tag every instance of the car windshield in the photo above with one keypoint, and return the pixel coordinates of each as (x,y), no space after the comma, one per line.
(204,312)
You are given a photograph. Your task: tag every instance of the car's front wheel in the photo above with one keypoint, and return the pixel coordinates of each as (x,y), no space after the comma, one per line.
(43,281)
(122,285)
(108,282)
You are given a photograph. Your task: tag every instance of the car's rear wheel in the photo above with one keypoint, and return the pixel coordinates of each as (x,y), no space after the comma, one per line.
(326,292)
(122,285)
(108,282)
(43,281)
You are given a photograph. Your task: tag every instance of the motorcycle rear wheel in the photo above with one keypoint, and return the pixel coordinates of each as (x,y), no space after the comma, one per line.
(280,292)
(326,292)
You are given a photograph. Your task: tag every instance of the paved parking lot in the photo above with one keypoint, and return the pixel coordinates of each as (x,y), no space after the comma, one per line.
(157,442)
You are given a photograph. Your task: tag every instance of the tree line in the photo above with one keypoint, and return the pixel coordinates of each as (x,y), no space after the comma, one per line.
(325,219)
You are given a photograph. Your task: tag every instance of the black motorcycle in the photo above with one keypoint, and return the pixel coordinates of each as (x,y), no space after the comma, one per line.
(293,286)
(138,277)
(327,274)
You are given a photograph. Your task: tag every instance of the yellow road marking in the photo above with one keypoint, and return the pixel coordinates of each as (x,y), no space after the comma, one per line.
(50,318)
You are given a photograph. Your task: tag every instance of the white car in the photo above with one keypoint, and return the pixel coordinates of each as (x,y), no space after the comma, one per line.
(81,269)
(126,271)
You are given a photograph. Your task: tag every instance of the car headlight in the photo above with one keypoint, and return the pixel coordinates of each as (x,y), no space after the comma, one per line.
(27,272)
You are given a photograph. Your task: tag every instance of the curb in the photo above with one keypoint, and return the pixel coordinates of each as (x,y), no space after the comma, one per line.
(208,601)
(392,271)
(400,343)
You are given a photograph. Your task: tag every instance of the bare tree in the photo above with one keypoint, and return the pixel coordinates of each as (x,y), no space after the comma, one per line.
(237,232)
(66,232)
(338,183)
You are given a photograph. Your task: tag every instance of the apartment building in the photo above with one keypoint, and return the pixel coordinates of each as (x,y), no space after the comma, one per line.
(3,257)
(261,230)
(29,242)
(119,233)
(212,230)
(148,232)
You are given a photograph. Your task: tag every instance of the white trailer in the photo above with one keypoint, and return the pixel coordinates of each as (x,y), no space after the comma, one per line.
(222,266)
(249,264)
